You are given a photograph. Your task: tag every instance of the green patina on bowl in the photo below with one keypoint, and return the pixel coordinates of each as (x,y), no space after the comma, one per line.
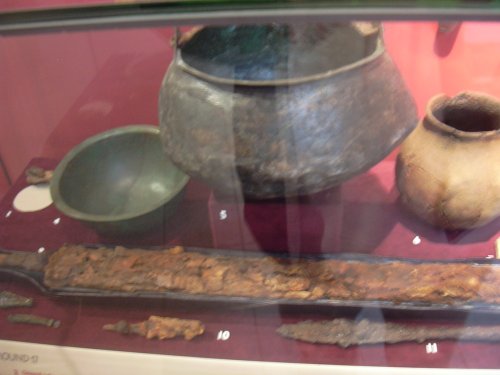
(119,182)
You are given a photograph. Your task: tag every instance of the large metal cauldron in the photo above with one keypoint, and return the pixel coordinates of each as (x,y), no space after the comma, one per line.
(275,110)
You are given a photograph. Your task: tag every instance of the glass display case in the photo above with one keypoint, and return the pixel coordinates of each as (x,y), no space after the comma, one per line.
(243,187)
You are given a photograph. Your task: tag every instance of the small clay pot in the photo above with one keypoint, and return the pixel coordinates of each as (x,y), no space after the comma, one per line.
(448,170)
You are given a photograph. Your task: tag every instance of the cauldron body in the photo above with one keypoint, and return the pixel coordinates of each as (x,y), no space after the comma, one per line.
(273,123)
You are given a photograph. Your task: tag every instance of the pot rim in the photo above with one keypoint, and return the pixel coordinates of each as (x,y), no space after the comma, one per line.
(450,130)
(74,213)
(378,51)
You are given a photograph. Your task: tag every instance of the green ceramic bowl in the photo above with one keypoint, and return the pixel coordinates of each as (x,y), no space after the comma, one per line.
(119,182)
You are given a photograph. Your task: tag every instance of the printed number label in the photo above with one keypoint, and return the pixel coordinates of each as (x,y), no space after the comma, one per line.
(222,215)
(223,335)
(16,357)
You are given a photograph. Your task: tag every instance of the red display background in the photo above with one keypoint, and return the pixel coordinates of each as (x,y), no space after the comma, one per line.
(60,88)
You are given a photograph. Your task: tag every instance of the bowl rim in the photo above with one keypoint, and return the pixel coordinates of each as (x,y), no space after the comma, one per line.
(68,210)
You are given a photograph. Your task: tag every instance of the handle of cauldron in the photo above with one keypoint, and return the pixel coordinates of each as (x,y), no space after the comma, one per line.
(180,38)
(174,41)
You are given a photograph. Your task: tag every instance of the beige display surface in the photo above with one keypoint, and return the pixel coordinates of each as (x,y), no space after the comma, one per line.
(19,358)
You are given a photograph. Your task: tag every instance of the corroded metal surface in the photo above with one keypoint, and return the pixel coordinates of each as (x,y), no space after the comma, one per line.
(160,327)
(346,332)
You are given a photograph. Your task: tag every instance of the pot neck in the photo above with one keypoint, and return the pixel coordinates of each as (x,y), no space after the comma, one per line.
(460,116)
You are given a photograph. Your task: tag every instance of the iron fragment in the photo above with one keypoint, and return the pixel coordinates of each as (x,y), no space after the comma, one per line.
(159,327)
(346,332)
(9,299)
(34,319)
(37,175)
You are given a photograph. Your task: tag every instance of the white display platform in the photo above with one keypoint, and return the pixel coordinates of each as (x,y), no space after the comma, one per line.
(19,358)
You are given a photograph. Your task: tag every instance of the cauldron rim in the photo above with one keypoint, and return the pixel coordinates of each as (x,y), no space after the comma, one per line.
(378,51)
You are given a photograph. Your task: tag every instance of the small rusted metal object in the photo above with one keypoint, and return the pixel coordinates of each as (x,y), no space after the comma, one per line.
(9,299)
(37,175)
(27,261)
(159,327)
(34,319)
